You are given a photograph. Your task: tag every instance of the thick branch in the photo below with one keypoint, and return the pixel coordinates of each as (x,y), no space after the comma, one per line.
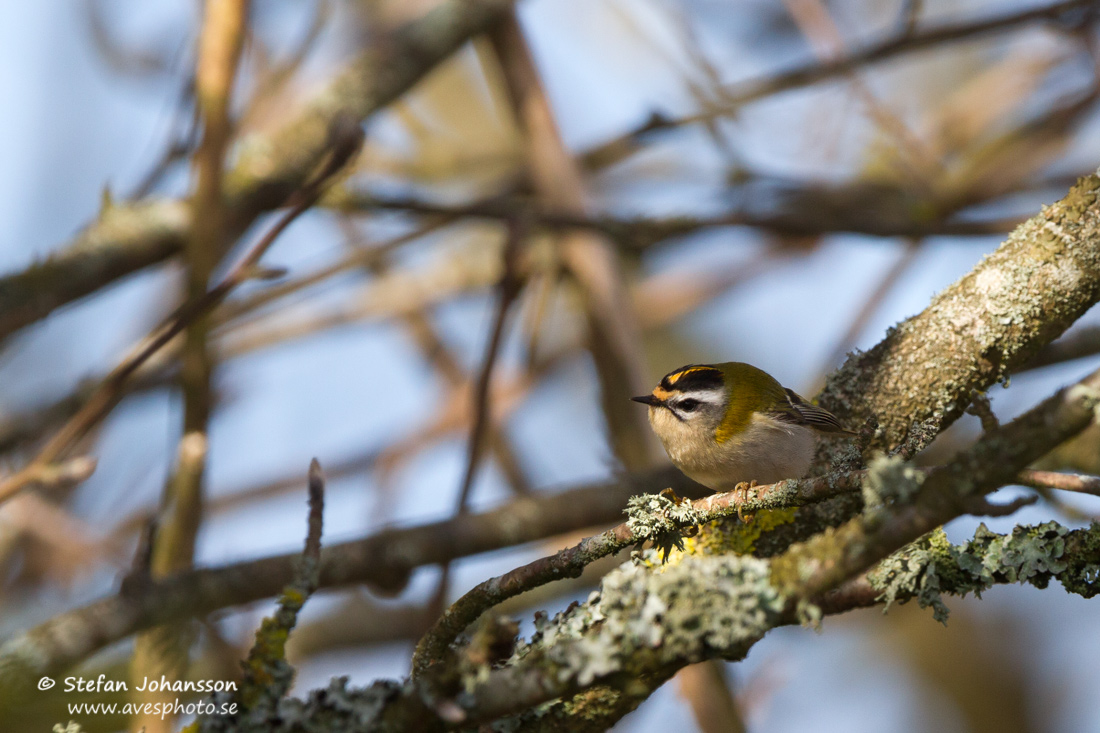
(981,329)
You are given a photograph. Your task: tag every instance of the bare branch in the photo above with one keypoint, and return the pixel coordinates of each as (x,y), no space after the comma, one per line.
(344,141)
(128,238)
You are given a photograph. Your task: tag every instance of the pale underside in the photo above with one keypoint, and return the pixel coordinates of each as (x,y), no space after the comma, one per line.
(769,450)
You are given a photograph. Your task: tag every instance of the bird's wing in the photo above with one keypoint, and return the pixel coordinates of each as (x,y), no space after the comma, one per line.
(800,412)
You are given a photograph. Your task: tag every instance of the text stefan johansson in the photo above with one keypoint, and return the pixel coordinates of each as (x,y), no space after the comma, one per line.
(102,684)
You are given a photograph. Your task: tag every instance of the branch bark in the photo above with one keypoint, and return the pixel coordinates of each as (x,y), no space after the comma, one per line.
(983,328)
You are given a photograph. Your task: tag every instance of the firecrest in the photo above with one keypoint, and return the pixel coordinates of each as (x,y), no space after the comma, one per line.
(728,424)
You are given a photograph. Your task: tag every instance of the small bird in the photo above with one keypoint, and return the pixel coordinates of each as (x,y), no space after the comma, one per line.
(725,425)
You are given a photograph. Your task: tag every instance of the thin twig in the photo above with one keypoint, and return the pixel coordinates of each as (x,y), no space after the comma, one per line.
(267,675)
(345,139)
(507,291)
(740,93)
(1078,483)
(643,232)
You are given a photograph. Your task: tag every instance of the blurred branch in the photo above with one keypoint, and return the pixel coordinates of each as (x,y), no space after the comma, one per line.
(62,475)
(56,545)
(270,169)
(706,688)
(919,163)
(358,258)
(1062,481)
(345,138)
(802,209)
(1068,14)
(383,560)
(165,650)
(18,429)
(456,413)
(1077,344)
(508,290)
(396,294)
(614,337)
(273,74)
(436,352)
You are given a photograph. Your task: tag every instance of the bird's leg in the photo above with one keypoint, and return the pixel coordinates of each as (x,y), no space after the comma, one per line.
(672,496)
(740,496)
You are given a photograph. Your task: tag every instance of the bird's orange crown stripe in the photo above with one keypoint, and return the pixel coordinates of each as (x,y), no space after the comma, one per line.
(673,378)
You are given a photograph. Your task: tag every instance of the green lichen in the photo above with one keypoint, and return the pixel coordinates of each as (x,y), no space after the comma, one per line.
(71,727)
(661,520)
(889,480)
(702,606)
(1029,554)
(914,573)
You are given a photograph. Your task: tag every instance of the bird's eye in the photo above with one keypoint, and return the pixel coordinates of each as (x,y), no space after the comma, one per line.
(688,405)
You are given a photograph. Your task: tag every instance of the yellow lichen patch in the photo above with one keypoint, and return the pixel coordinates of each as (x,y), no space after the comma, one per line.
(722,537)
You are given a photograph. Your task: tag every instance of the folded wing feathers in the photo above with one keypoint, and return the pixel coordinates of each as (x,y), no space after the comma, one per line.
(800,412)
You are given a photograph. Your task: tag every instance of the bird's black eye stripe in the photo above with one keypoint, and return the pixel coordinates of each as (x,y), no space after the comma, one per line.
(687,405)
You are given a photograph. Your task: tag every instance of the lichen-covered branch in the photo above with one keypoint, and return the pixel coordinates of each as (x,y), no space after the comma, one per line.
(981,329)
(383,561)
(644,623)
(129,237)
(650,619)
(827,559)
(652,517)
(268,676)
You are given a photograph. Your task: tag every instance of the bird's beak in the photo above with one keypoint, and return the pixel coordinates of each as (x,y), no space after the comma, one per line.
(648,400)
